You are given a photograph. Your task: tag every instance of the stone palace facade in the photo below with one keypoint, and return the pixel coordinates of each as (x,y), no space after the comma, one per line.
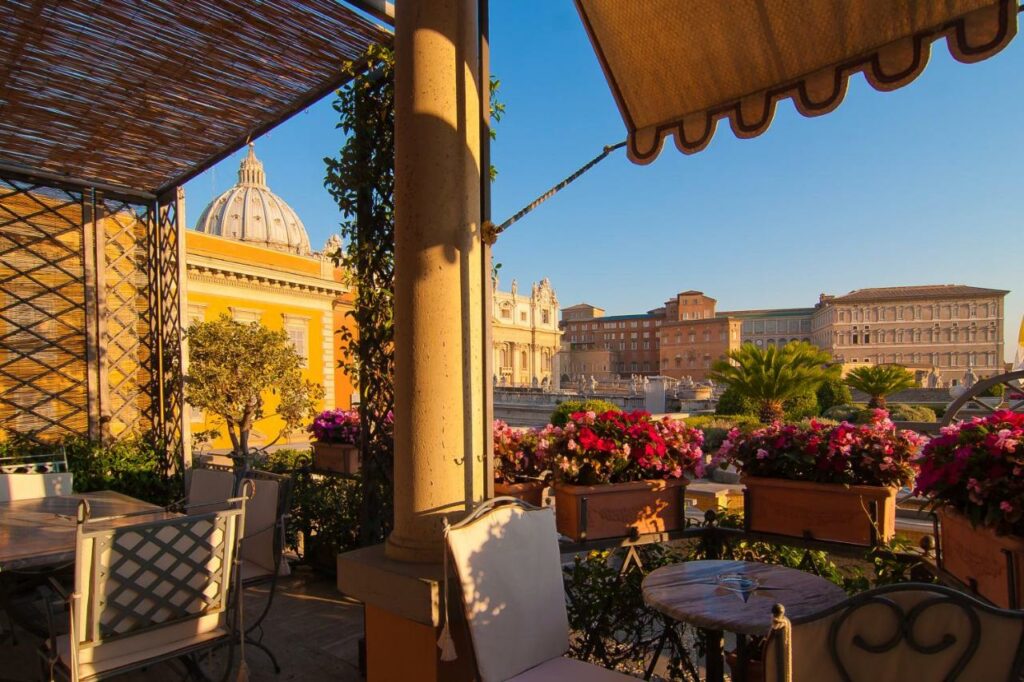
(526,336)
(933,329)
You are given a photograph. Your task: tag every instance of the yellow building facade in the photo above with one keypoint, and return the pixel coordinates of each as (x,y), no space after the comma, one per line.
(249,258)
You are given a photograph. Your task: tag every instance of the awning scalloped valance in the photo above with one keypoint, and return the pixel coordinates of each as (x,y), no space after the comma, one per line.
(677,68)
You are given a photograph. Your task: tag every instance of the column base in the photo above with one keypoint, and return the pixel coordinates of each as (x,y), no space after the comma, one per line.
(412,550)
(403,618)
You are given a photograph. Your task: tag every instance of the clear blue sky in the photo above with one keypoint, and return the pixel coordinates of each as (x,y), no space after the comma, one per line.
(918,186)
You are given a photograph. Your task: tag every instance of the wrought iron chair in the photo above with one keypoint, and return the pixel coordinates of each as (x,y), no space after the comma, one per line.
(911,631)
(263,543)
(507,561)
(147,592)
(26,477)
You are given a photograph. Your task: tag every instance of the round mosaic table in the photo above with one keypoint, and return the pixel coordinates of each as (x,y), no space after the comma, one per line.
(691,593)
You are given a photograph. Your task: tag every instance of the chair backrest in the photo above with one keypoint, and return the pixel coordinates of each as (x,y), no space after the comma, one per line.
(144,590)
(262,545)
(206,487)
(509,566)
(28,477)
(900,632)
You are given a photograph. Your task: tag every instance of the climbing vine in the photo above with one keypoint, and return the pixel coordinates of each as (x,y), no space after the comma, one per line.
(362,179)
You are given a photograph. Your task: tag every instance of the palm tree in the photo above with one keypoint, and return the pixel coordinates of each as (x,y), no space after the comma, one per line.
(769,377)
(879,381)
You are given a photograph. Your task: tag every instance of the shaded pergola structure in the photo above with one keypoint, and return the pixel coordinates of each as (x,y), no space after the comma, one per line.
(118,101)
(106,109)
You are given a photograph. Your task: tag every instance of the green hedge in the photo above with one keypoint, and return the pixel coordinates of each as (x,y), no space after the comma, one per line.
(133,465)
(324,517)
(717,426)
(561,414)
(859,414)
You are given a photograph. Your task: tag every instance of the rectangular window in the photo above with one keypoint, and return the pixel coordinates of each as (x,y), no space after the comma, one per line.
(297,330)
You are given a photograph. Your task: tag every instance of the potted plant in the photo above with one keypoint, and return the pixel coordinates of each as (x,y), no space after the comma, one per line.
(619,474)
(519,466)
(336,441)
(835,483)
(973,475)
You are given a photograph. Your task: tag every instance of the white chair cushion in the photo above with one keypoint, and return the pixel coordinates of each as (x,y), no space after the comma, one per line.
(511,575)
(14,487)
(566,669)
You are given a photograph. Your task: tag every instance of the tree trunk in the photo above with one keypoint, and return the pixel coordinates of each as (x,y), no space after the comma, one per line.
(877,402)
(771,411)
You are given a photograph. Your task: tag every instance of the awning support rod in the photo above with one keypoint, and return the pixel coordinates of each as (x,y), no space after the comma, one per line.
(555,190)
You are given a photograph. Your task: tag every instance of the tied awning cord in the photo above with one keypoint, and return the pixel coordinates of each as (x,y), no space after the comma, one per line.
(554,190)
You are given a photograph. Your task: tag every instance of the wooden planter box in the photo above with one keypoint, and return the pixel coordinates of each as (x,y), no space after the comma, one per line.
(341,459)
(856,515)
(612,510)
(991,565)
(531,492)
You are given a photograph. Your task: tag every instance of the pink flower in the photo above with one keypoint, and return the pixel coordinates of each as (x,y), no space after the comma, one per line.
(762,453)
(1006,506)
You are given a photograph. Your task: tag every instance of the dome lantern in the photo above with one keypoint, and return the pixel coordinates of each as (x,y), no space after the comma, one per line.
(250,212)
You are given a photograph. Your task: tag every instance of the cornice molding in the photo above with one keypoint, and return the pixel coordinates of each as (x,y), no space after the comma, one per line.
(268,275)
(203,272)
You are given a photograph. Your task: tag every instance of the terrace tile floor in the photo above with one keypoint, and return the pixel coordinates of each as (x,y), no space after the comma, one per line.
(312,629)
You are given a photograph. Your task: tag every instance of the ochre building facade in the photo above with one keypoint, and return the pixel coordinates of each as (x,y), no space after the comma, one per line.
(249,258)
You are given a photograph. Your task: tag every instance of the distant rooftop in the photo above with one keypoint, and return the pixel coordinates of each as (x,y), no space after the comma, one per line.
(768,312)
(636,316)
(917,292)
(580,306)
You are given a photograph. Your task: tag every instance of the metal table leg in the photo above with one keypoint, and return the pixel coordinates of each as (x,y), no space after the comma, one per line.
(742,659)
(714,662)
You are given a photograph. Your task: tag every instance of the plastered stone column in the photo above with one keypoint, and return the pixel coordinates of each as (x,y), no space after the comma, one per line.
(439,271)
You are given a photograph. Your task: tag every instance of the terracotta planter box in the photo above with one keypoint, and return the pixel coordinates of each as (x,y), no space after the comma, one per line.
(612,510)
(531,492)
(856,515)
(990,565)
(341,459)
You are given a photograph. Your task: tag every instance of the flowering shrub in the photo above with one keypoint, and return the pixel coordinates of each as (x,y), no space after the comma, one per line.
(516,453)
(615,447)
(875,453)
(336,427)
(977,468)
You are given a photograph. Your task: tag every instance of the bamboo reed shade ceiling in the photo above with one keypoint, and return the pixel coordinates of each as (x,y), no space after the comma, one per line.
(677,68)
(143,94)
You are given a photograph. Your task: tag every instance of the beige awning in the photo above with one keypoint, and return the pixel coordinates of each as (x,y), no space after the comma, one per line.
(678,66)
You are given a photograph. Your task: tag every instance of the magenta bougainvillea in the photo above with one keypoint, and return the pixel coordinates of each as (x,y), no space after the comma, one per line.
(517,457)
(876,453)
(336,427)
(616,447)
(977,468)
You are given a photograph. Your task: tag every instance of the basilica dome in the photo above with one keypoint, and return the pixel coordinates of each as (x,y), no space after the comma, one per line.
(250,212)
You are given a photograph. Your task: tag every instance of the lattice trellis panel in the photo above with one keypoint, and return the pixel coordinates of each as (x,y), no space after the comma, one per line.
(166,252)
(43,372)
(127,328)
(90,322)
